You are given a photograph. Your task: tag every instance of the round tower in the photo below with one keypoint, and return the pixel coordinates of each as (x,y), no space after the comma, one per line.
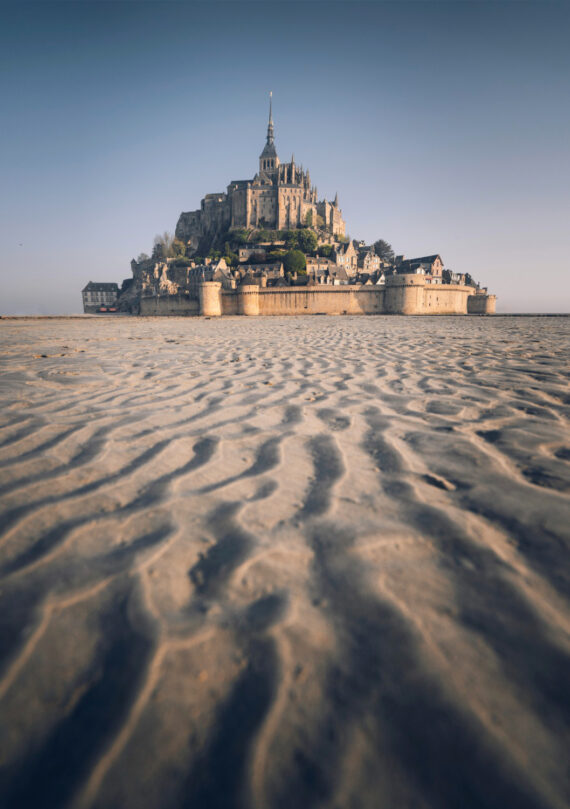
(210,298)
(248,300)
(404,295)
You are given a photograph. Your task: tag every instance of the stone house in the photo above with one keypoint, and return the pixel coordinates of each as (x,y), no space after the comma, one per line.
(368,261)
(95,295)
(431,265)
(271,269)
(345,256)
(318,265)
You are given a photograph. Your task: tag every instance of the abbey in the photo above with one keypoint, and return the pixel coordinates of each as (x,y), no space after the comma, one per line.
(269,246)
(279,197)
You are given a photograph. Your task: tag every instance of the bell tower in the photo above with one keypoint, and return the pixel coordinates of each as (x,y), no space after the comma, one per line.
(268,160)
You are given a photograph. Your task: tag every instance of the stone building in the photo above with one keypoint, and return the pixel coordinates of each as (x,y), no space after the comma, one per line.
(432,267)
(368,261)
(95,295)
(346,256)
(279,197)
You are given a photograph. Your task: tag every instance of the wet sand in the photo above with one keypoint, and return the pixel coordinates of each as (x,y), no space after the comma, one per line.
(285,562)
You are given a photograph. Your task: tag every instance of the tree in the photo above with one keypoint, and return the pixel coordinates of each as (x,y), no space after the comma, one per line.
(231,259)
(142,257)
(325,250)
(320,221)
(239,236)
(446,277)
(469,280)
(163,245)
(295,261)
(309,218)
(261,236)
(291,239)
(384,250)
(307,241)
(178,248)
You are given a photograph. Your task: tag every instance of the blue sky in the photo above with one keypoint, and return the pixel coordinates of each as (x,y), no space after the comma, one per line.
(443,127)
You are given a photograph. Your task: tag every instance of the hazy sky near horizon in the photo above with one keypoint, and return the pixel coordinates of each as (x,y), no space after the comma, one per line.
(444,127)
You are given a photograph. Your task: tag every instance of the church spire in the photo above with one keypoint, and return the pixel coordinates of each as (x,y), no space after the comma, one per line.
(268,160)
(270,133)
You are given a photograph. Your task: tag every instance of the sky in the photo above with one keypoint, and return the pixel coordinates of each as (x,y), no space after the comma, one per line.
(443,126)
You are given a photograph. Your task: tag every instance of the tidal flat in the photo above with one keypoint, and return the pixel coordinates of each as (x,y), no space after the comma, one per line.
(285,562)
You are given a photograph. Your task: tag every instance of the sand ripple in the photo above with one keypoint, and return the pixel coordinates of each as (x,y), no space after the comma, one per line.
(314,562)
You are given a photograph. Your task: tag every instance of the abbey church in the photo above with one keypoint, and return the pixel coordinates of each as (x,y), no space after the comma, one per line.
(279,197)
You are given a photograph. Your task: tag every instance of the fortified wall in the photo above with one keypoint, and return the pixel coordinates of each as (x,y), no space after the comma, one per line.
(401,295)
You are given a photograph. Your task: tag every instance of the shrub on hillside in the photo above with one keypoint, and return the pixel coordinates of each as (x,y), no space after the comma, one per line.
(295,261)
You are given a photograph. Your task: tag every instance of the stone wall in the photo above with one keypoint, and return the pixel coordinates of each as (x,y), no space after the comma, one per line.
(314,300)
(402,295)
(445,299)
(169,305)
(481,304)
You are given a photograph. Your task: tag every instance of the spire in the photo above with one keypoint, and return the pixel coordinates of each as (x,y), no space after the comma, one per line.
(268,160)
(335,203)
(270,134)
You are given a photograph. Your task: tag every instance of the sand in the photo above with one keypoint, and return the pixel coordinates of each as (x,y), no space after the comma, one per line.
(285,562)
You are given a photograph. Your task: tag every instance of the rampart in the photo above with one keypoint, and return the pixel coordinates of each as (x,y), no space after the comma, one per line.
(169,306)
(481,304)
(401,295)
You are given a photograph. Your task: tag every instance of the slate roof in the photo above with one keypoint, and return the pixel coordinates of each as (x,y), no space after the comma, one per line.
(269,150)
(414,263)
(94,286)
(421,260)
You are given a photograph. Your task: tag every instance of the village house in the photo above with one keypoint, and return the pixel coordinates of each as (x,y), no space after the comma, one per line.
(271,269)
(430,266)
(368,260)
(345,256)
(96,295)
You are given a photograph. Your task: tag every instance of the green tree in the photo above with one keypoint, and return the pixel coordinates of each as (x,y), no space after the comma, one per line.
(291,239)
(320,221)
(446,277)
(239,236)
(295,261)
(231,259)
(469,280)
(309,219)
(325,250)
(307,241)
(384,250)
(142,257)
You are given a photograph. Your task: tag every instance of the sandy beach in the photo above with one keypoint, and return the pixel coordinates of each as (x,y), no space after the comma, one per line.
(285,562)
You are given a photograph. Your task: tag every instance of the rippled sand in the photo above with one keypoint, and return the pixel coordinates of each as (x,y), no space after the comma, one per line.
(286,562)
